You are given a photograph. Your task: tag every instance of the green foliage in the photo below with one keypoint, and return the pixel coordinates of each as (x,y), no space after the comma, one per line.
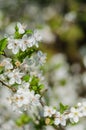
(21,55)
(17,35)
(35,85)
(3,44)
(41,86)
(63,107)
(22,120)
(51,122)
(40,125)
(35,81)
(1,53)
(1,69)
(26,78)
(28,32)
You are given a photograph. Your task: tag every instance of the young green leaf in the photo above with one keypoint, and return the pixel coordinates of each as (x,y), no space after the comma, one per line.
(28,32)
(3,44)
(63,107)
(26,78)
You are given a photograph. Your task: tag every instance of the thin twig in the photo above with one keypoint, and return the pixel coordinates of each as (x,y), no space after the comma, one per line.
(13,89)
(43,92)
(42,103)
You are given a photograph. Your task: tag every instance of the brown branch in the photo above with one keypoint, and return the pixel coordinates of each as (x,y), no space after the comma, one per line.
(42,94)
(42,103)
(13,89)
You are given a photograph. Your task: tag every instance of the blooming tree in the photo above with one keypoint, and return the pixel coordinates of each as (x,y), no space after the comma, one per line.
(21,72)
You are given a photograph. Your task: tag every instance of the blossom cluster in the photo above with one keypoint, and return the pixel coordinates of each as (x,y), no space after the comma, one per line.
(21,72)
(24,99)
(61,118)
(25,42)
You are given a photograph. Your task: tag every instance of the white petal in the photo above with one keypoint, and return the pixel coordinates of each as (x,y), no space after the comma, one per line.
(57,121)
(10,45)
(18,80)
(15,50)
(76,119)
(9,66)
(23,47)
(10,75)
(21,30)
(53,111)
(45,114)
(12,81)
(71,115)
(63,122)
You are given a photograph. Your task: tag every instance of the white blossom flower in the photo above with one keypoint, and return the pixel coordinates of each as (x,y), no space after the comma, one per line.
(15,76)
(34,39)
(25,99)
(49,111)
(34,98)
(14,44)
(7,63)
(20,99)
(25,84)
(24,66)
(60,119)
(40,58)
(75,114)
(37,36)
(21,28)
(82,107)
(24,43)
(31,41)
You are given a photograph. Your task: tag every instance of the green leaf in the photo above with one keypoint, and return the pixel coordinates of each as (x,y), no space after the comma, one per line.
(25,118)
(17,35)
(51,121)
(41,86)
(28,32)
(19,122)
(24,54)
(3,44)
(26,78)
(1,53)
(16,28)
(34,81)
(1,69)
(63,107)
(34,88)
(22,120)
